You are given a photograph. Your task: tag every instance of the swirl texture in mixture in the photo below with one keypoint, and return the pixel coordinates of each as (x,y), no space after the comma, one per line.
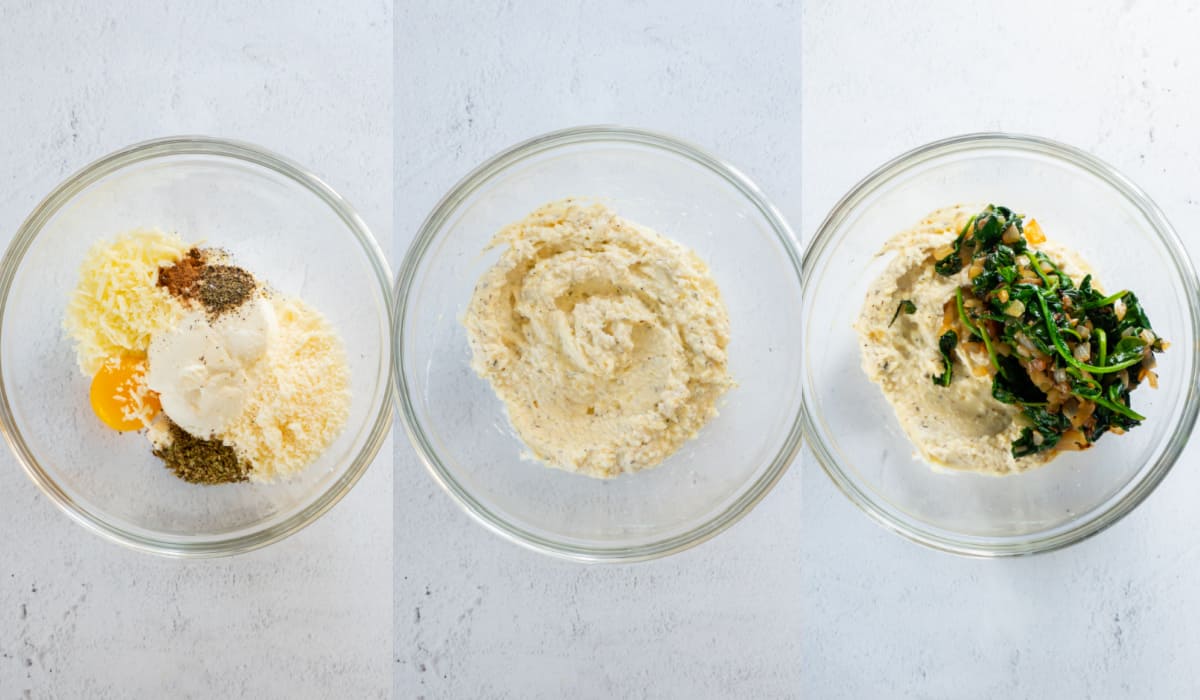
(605,340)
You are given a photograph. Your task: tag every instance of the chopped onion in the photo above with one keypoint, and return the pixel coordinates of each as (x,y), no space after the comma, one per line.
(1083,352)
(1072,440)
(1119,309)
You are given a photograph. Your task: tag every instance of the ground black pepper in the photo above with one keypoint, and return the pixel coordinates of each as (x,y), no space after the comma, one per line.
(200,461)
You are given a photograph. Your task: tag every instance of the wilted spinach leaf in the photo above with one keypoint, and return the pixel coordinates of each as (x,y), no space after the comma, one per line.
(946,345)
(906,306)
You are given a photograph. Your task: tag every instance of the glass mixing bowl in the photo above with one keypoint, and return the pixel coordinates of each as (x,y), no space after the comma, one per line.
(459,426)
(281,223)
(1081,203)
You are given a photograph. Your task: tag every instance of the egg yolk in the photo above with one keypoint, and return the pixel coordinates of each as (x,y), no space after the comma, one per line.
(115,390)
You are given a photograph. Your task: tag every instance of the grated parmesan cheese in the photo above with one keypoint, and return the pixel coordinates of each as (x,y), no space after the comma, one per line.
(136,399)
(301,398)
(117,304)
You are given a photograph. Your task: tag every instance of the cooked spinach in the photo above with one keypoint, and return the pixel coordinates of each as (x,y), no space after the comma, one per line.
(1067,355)
(1013,385)
(1044,434)
(953,262)
(946,345)
(906,306)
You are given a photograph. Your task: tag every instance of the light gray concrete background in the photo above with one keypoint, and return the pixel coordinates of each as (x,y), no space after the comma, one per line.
(308,617)
(1116,616)
(476,616)
(806,596)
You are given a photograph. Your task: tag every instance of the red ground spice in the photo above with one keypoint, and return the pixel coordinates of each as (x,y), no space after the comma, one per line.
(183,278)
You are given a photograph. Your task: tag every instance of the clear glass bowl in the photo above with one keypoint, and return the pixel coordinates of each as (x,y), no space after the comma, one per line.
(459,426)
(1083,204)
(278,221)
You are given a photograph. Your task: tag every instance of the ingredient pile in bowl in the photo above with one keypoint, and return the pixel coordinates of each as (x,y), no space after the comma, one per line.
(605,340)
(230,380)
(998,349)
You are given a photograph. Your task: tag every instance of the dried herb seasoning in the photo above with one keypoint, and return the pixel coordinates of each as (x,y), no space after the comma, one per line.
(224,288)
(200,461)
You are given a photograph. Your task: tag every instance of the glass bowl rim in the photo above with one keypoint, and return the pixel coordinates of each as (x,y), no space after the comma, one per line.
(1095,522)
(224,149)
(415,256)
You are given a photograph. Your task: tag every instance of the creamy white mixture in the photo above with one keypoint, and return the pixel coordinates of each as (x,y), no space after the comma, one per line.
(960,426)
(605,340)
(203,369)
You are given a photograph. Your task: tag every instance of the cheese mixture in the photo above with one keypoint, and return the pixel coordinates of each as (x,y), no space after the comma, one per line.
(605,340)
(229,380)
(959,426)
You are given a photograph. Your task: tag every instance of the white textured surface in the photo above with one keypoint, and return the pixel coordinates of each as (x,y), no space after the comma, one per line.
(1115,616)
(308,617)
(476,616)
